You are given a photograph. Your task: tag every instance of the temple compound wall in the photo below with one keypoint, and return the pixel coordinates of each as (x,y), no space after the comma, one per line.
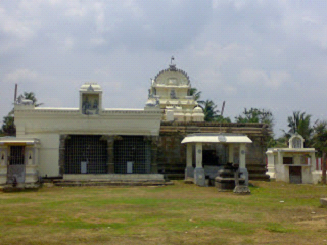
(171,158)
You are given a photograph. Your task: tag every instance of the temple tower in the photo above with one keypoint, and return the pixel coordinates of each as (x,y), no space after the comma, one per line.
(170,91)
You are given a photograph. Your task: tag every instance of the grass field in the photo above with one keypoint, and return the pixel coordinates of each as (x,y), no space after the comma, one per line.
(274,213)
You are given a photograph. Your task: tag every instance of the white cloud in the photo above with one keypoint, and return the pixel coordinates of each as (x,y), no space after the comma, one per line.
(261,78)
(21,75)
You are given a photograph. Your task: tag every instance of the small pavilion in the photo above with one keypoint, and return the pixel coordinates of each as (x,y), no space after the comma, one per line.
(231,141)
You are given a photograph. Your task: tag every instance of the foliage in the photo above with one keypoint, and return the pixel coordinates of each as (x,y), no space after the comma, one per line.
(277,143)
(319,140)
(8,127)
(210,110)
(255,115)
(299,123)
(31,96)
(194,92)
(223,119)
(320,143)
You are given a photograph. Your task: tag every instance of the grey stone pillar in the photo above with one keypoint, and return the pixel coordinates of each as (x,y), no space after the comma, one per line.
(199,177)
(62,149)
(243,169)
(110,155)
(231,153)
(189,170)
(153,141)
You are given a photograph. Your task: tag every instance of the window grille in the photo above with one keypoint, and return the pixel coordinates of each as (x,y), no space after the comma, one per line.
(132,149)
(85,148)
(17,156)
(16,167)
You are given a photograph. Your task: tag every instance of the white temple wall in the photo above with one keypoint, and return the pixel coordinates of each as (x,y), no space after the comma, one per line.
(48,124)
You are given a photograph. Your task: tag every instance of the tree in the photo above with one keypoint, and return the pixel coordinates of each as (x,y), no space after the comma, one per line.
(255,115)
(31,96)
(223,119)
(209,110)
(8,127)
(299,123)
(196,94)
(320,143)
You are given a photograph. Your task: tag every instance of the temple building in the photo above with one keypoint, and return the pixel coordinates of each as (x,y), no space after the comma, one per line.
(96,143)
(170,91)
(77,143)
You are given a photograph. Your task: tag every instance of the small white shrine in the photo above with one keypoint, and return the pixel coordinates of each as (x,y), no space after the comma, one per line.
(170,91)
(294,164)
(231,141)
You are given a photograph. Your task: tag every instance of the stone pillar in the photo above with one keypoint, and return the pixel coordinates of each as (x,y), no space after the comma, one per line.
(189,170)
(231,153)
(199,177)
(110,155)
(3,164)
(315,175)
(271,164)
(281,169)
(243,169)
(154,152)
(62,149)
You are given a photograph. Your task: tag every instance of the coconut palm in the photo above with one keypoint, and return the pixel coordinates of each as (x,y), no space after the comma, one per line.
(31,96)
(209,110)
(299,123)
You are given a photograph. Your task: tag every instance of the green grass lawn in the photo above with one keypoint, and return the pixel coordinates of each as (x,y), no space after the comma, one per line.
(178,214)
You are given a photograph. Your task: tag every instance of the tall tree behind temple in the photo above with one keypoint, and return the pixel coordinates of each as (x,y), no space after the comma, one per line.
(210,110)
(319,141)
(197,95)
(255,115)
(300,123)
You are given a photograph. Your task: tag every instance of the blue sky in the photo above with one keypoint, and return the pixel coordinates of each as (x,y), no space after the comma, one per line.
(264,54)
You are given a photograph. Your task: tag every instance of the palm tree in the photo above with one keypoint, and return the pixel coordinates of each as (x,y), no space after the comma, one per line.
(300,123)
(196,94)
(209,110)
(31,96)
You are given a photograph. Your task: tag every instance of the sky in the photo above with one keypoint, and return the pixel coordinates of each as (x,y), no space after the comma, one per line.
(262,54)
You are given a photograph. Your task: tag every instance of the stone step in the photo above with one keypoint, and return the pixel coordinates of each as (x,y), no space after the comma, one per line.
(263,177)
(66,183)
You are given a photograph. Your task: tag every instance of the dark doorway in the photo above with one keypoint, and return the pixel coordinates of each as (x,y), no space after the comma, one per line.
(85,154)
(295,174)
(209,157)
(16,165)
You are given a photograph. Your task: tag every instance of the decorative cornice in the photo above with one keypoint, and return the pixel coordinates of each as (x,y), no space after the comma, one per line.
(77,111)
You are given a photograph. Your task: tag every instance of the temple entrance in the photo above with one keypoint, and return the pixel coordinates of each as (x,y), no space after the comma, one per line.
(295,174)
(16,165)
(132,155)
(85,154)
